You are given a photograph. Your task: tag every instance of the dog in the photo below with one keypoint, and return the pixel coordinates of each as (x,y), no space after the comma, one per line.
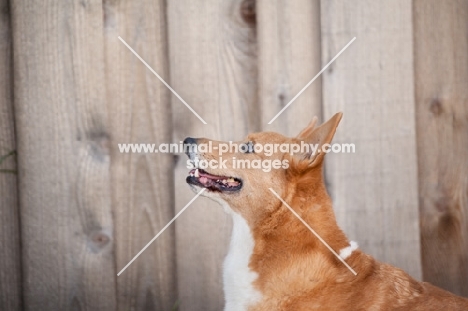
(274,261)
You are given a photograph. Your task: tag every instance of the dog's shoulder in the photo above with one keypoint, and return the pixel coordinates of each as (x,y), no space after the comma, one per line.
(403,292)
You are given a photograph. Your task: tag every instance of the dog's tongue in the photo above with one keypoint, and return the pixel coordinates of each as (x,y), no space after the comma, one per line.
(205,178)
(204,174)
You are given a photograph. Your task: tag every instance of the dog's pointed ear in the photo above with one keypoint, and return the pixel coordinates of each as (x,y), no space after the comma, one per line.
(308,130)
(318,137)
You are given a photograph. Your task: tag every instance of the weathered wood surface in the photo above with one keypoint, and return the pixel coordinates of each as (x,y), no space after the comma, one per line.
(70,92)
(10,263)
(142,184)
(375,189)
(212,47)
(289,57)
(63,156)
(441,73)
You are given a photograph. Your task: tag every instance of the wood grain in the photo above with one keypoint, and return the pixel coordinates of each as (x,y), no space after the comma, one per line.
(441,73)
(375,189)
(142,184)
(212,47)
(63,155)
(79,210)
(289,57)
(10,264)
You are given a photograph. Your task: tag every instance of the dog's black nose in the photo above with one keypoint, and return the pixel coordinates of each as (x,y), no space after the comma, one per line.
(189,145)
(190,141)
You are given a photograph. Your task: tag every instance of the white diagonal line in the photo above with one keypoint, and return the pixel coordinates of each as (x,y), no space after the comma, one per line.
(162,80)
(313,231)
(313,79)
(162,230)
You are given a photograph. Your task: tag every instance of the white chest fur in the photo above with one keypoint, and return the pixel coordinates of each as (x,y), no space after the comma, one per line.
(238,278)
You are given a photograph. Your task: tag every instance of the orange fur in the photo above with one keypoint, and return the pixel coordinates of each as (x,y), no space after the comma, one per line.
(295,270)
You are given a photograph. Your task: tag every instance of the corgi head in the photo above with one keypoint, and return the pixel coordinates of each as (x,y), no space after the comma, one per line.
(241,173)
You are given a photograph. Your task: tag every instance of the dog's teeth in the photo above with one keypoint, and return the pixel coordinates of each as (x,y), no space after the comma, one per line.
(197,174)
(231,180)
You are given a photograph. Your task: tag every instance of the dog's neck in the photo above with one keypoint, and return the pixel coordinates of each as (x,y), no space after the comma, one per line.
(255,250)
(238,277)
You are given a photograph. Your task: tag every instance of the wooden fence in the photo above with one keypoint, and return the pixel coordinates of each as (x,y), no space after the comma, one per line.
(74,210)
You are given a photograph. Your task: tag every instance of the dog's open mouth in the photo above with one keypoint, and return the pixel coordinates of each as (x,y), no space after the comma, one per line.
(201,178)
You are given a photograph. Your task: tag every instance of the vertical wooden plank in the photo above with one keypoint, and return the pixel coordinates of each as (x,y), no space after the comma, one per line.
(10,265)
(375,189)
(289,57)
(63,157)
(212,48)
(142,183)
(441,73)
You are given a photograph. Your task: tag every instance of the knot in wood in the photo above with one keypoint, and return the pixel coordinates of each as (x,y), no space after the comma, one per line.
(248,13)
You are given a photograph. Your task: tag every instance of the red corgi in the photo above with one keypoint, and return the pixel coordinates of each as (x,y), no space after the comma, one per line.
(274,261)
